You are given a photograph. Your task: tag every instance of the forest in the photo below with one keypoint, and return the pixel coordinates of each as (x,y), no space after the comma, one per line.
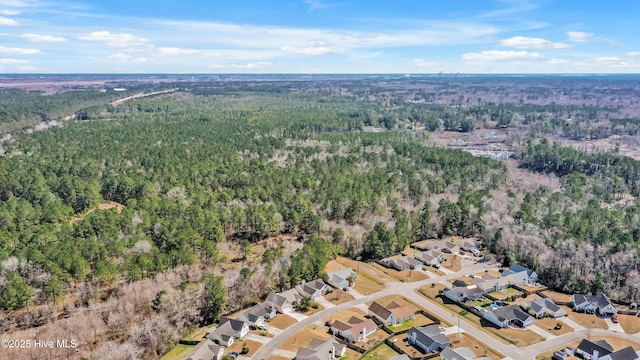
(170,189)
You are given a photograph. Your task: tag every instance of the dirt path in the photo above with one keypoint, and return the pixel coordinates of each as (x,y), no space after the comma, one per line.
(105,206)
(141,95)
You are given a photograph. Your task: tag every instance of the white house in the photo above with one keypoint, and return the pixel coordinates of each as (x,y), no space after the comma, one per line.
(599,304)
(543,307)
(428,338)
(340,278)
(391,314)
(509,315)
(354,330)
(227,331)
(206,350)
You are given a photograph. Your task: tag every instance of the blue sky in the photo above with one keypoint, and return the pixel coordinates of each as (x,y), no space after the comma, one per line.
(319,36)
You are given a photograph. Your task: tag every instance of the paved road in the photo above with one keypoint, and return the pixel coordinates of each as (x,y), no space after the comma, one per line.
(405,289)
(408,290)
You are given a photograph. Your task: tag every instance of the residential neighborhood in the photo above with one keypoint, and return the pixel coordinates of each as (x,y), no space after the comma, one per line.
(466,313)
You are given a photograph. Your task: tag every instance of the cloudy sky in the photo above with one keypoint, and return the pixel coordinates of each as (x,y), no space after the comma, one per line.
(319,36)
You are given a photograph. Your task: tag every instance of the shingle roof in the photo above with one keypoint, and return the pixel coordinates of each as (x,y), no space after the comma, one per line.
(602,347)
(205,350)
(510,313)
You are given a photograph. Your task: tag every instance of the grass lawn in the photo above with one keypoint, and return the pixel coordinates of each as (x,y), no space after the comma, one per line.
(501,295)
(179,352)
(345,315)
(303,337)
(418,320)
(590,321)
(281,321)
(312,310)
(479,348)
(435,271)
(237,346)
(452,262)
(374,339)
(518,337)
(549,325)
(367,285)
(383,351)
(558,296)
(481,301)
(630,323)
(338,296)
(406,275)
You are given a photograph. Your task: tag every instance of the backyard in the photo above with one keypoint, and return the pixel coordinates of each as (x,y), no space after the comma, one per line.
(382,352)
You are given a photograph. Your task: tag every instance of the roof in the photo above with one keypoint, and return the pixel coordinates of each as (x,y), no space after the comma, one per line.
(600,300)
(429,335)
(222,333)
(354,326)
(461,353)
(342,275)
(589,347)
(256,312)
(401,357)
(624,354)
(519,268)
(394,308)
(510,313)
(542,304)
(276,299)
(205,350)
(464,291)
(317,350)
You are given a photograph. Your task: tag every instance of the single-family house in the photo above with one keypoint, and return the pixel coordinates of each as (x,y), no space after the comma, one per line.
(227,331)
(206,350)
(278,302)
(601,350)
(432,257)
(470,245)
(543,307)
(509,315)
(313,289)
(340,278)
(463,293)
(291,295)
(402,263)
(599,304)
(461,353)
(391,314)
(444,246)
(428,338)
(521,275)
(354,330)
(320,349)
(257,314)
(495,284)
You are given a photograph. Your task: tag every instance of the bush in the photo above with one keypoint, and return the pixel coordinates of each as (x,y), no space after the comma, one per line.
(245,350)
(558,325)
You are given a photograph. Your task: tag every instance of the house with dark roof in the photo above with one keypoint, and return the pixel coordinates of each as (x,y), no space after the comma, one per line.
(313,289)
(599,304)
(257,314)
(227,331)
(340,278)
(431,258)
(354,330)
(509,315)
(428,338)
(543,307)
(391,314)
(601,350)
(463,293)
(320,349)
(206,350)
(521,275)
(445,246)
(278,302)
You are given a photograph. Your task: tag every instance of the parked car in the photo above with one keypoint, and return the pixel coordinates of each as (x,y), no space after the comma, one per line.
(614,318)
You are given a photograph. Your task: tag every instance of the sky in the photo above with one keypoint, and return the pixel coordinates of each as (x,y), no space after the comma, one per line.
(319,36)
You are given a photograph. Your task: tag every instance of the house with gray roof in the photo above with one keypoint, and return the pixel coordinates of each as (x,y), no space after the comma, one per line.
(227,331)
(463,293)
(599,304)
(445,246)
(402,263)
(320,349)
(521,275)
(257,314)
(313,289)
(206,350)
(601,350)
(543,307)
(401,357)
(391,314)
(428,338)
(461,353)
(509,315)
(340,278)
(432,257)
(278,302)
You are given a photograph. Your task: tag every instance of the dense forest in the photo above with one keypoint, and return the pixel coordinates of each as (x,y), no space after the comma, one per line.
(178,186)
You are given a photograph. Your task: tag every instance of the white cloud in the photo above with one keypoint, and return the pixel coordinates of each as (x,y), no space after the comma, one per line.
(17,3)
(309,50)
(9,12)
(119,40)
(315,4)
(36,38)
(421,63)
(497,55)
(252,65)
(217,66)
(527,43)
(4,21)
(129,59)
(579,36)
(633,53)
(18,51)
(28,68)
(13,61)
(225,54)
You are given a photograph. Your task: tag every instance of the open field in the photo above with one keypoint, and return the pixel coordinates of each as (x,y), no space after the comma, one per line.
(398,299)
(303,337)
(404,276)
(549,325)
(630,323)
(590,321)
(452,262)
(281,321)
(338,296)
(557,296)
(370,279)
(381,352)
(239,344)
(479,348)
(179,352)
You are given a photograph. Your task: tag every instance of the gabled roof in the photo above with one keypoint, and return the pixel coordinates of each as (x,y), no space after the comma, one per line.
(627,353)
(236,325)
(223,333)
(319,349)
(589,347)
(600,301)
(355,326)
(510,313)
(205,350)
(461,353)
(519,268)
(394,308)
(276,299)
(256,312)
(541,304)
(341,275)
(292,295)
(428,335)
